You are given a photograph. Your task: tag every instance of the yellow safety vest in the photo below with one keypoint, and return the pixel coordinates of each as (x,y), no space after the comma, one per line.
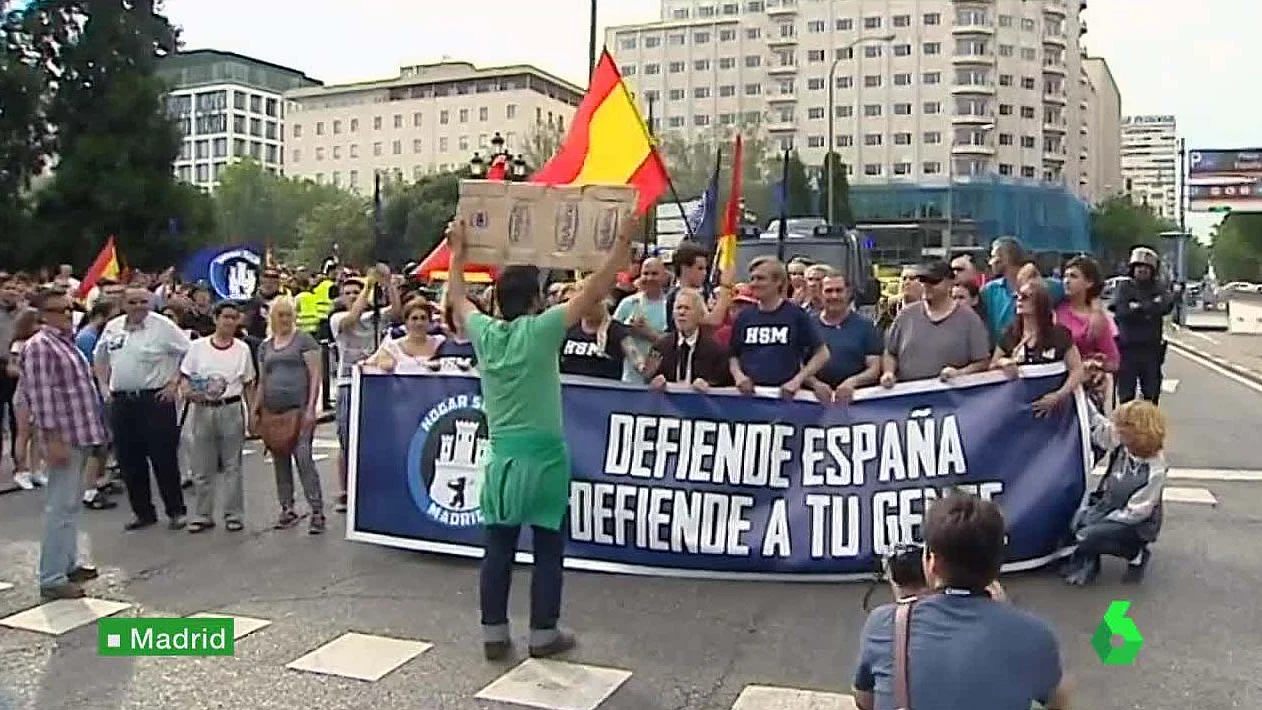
(308,306)
(324,301)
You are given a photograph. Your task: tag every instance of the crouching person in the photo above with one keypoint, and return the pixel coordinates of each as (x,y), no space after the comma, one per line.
(1123,515)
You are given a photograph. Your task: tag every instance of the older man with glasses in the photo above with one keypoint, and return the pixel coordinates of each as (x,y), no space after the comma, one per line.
(62,398)
(137,361)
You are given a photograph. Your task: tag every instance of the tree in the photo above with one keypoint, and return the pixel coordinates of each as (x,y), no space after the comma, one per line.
(114,142)
(800,195)
(255,206)
(25,142)
(1237,248)
(542,142)
(842,214)
(346,221)
(415,215)
(1118,225)
(691,165)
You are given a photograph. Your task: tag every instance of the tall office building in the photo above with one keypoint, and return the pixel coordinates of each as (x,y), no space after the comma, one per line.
(430,118)
(228,106)
(1103,126)
(926,93)
(1150,162)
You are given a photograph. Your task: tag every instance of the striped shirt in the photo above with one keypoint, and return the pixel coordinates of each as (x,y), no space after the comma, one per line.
(59,389)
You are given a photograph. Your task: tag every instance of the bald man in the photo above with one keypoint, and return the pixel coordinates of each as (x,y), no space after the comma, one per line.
(644,313)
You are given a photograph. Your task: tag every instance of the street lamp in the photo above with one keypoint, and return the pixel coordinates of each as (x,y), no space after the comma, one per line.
(832,118)
(515,168)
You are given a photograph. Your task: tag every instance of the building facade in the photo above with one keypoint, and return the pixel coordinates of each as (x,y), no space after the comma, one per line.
(1103,170)
(1150,162)
(228,107)
(927,94)
(431,118)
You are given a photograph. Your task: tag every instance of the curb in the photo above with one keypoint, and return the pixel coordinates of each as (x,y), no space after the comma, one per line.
(1240,370)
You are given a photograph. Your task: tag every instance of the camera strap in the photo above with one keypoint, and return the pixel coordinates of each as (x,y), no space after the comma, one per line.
(902,629)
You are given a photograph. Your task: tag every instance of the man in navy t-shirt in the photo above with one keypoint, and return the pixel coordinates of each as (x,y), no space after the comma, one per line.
(854,343)
(775,344)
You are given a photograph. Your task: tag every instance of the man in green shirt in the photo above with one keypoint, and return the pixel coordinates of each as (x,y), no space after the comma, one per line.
(526,480)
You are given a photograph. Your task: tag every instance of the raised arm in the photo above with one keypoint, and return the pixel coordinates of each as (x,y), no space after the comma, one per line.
(599,284)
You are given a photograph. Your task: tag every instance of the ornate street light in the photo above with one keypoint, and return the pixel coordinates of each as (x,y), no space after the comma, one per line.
(515,168)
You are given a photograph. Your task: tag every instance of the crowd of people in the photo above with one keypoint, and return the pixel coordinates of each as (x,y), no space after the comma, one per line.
(156,381)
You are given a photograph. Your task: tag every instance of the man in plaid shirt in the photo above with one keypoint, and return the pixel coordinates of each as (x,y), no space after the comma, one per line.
(61,393)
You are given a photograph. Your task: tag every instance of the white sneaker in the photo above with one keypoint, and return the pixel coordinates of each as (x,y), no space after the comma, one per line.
(23,479)
(40,478)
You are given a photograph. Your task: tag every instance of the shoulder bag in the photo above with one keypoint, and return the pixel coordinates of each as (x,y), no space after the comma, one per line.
(902,629)
(280,430)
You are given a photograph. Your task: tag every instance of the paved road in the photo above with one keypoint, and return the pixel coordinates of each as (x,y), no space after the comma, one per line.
(687,645)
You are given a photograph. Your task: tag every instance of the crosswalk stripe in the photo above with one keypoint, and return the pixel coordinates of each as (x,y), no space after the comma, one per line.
(58,617)
(360,656)
(766,697)
(1216,474)
(242,626)
(5,586)
(555,685)
(1201,496)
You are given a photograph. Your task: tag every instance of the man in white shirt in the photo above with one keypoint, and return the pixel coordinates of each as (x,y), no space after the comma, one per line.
(216,375)
(137,362)
(356,339)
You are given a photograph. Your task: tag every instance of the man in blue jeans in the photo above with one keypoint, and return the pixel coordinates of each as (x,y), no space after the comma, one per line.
(526,480)
(66,409)
(965,649)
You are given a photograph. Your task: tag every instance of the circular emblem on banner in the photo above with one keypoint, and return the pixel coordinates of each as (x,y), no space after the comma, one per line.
(234,274)
(445,461)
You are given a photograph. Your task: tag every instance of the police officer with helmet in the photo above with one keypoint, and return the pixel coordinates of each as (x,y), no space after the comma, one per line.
(1139,305)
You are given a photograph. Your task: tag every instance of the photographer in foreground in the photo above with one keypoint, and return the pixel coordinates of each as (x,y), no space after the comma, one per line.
(922,652)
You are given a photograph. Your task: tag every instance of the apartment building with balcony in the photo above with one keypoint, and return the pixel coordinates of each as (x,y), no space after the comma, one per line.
(1102,129)
(976,103)
(430,118)
(1150,162)
(228,106)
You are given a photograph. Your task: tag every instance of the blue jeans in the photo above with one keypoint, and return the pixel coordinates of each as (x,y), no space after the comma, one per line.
(344,418)
(63,499)
(496,579)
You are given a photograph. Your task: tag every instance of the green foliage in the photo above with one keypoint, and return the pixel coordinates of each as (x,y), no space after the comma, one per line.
(345,220)
(801,201)
(1237,248)
(691,164)
(842,214)
(113,141)
(1118,225)
(416,215)
(255,206)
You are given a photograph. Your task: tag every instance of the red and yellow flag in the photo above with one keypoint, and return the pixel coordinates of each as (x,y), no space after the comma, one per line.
(105,266)
(608,142)
(731,215)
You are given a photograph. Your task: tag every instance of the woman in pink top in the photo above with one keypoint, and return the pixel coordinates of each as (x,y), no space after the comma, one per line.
(1092,329)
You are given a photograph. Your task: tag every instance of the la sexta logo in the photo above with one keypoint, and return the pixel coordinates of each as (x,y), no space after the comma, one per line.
(234,274)
(445,461)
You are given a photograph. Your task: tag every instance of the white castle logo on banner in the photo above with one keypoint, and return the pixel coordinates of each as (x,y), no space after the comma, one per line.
(458,468)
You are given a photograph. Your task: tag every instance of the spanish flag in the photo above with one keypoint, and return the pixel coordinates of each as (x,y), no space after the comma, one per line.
(105,266)
(732,215)
(608,142)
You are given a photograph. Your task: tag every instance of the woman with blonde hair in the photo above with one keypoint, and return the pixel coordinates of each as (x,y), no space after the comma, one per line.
(1122,517)
(289,388)
(597,345)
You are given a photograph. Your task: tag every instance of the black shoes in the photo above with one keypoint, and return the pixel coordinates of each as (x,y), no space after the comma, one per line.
(1135,568)
(139,524)
(497,650)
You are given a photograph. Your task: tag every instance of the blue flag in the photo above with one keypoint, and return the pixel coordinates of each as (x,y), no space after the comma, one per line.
(703,222)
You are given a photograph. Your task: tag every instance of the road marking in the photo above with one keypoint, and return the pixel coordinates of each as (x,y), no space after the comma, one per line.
(1215,474)
(1169,386)
(360,656)
(555,685)
(1201,496)
(242,626)
(319,457)
(5,586)
(766,697)
(58,617)
(1202,336)
(1219,369)
(325,444)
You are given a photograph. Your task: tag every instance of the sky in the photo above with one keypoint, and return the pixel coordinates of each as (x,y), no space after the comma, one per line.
(1167,57)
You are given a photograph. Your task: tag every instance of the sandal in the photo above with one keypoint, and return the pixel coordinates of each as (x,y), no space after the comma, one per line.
(200,526)
(288,518)
(317,524)
(233,526)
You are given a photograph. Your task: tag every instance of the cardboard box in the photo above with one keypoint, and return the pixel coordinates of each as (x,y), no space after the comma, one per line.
(559,227)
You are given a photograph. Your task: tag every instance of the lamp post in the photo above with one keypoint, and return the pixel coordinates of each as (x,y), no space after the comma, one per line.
(514,167)
(832,118)
(948,235)
(1180,273)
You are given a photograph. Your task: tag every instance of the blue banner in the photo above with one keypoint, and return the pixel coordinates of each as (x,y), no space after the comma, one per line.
(723,485)
(232,272)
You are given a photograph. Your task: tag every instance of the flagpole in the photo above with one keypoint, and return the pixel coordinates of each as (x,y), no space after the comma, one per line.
(783,233)
(591,45)
(670,183)
(377,234)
